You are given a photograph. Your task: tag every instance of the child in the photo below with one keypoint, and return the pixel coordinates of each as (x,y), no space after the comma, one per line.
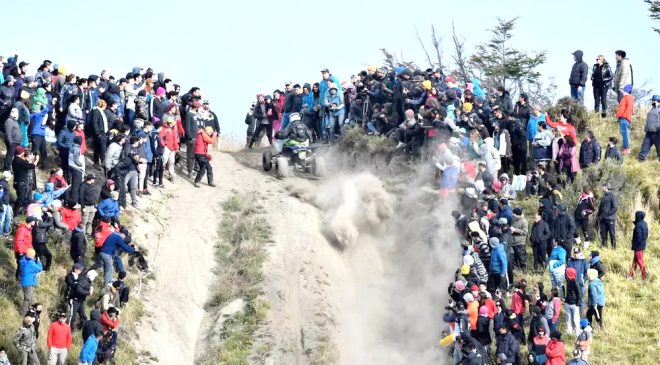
(640,235)
(612,152)
(3,357)
(553,309)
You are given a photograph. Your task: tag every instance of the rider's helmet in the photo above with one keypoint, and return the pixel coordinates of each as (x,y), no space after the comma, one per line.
(294,117)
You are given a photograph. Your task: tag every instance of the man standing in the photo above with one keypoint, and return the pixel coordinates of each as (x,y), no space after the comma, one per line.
(623,75)
(13,137)
(6,215)
(205,137)
(578,78)
(192,125)
(539,239)
(625,114)
(519,231)
(590,150)
(640,235)
(289,96)
(651,130)
(59,341)
(25,341)
(607,216)
(30,267)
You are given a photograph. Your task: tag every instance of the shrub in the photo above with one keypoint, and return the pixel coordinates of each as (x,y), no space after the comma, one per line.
(579,114)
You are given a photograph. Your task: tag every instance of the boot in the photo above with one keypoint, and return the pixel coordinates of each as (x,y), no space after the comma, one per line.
(211,184)
(195,184)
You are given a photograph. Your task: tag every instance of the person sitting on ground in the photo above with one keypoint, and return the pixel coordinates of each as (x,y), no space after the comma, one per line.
(50,193)
(109,207)
(109,296)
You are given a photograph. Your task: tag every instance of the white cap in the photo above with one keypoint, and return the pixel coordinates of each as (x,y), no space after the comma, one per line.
(92,274)
(7,175)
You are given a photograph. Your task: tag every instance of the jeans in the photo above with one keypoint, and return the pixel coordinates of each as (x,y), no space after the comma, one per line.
(623,126)
(285,120)
(650,139)
(572,318)
(108,268)
(130,117)
(5,219)
(88,213)
(577,93)
(331,124)
(256,136)
(131,183)
(57,356)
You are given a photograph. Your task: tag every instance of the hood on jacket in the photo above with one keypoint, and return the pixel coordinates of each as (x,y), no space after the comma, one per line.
(571,273)
(49,187)
(639,216)
(592,274)
(95,315)
(578,55)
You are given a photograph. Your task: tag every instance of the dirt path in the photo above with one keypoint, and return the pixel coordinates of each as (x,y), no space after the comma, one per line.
(183,259)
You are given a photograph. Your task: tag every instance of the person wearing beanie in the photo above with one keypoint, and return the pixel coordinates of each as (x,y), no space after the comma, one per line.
(624,114)
(29,268)
(639,238)
(584,339)
(555,351)
(497,272)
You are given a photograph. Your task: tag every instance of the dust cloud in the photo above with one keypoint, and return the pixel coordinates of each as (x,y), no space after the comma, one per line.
(400,250)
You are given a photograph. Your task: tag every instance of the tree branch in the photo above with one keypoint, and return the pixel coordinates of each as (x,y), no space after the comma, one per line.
(421,43)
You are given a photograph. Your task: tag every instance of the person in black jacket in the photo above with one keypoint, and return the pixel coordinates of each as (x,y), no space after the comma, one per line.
(578,78)
(640,235)
(78,245)
(508,347)
(87,199)
(93,326)
(563,228)
(607,216)
(40,240)
(79,294)
(24,179)
(590,150)
(601,80)
(100,125)
(539,239)
(596,264)
(264,114)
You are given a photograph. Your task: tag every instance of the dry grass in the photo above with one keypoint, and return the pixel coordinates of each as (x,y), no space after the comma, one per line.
(631,314)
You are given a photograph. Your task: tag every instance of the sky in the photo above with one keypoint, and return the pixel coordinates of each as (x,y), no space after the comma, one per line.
(235,50)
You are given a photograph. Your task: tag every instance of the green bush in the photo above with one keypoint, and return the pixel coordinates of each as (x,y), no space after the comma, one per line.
(579,114)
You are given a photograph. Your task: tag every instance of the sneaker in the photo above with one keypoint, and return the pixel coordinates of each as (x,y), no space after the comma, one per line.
(211,184)
(401,144)
(603,115)
(195,184)
(134,205)
(162,186)
(146,192)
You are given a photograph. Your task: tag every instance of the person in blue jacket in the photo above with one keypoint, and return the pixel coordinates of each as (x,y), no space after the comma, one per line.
(29,268)
(596,300)
(38,122)
(64,144)
(534,118)
(498,265)
(557,266)
(505,211)
(51,194)
(88,351)
(109,207)
(477,91)
(109,253)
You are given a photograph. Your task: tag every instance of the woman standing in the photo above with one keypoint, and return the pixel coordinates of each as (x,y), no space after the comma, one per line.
(568,158)
(601,80)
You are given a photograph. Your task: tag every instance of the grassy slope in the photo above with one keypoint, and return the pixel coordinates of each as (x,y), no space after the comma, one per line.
(48,293)
(632,315)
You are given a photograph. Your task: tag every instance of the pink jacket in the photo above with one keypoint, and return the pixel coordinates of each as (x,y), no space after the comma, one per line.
(568,156)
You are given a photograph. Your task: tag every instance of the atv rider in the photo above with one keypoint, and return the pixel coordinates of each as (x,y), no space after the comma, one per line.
(296,133)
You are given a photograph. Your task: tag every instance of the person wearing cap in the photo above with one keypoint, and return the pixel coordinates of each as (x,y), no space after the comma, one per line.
(25,341)
(205,137)
(29,266)
(578,77)
(651,130)
(607,210)
(624,114)
(59,341)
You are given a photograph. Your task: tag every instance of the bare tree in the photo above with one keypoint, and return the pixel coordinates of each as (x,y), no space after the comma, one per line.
(459,56)
(437,44)
(421,43)
(654,8)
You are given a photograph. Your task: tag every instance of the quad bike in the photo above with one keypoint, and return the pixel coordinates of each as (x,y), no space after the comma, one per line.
(291,157)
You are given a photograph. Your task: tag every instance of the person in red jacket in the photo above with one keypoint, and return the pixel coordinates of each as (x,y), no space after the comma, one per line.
(169,139)
(23,240)
(110,322)
(625,113)
(59,341)
(70,216)
(205,137)
(563,125)
(555,351)
(57,178)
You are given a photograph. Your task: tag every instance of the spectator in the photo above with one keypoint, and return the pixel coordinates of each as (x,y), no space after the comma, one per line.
(537,346)
(169,139)
(639,237)
(557,265)
(88,351)
(577,358)
(572,301)
(651,130)
(596,298)
(29,268)
(498,265)
(539,239)
(25,341)
(40,239)
(580,264)
(108,252)
(612,151)
(624,114)
(13,138)
(578,78)
(568,161)
(6,215)
(93,325)
(78,245)
(334,103)
(100,128)
(264,114)
(519,231)
(205,137)
(607,216)
(590,150)
(507,351)
(596,264)
(555,352)
(623,75)
(4,360)
(584,340)
(59,341)
(583,210)
(83,288)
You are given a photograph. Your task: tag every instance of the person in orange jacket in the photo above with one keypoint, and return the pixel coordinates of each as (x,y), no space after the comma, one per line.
(555,351)
(23,240)
(473,311)
(624,114)
(205,137)
(59,341)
